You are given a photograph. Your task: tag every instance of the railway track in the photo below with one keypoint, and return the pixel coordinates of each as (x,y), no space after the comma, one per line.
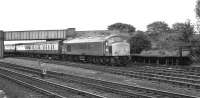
(176,79)
(174,70)
(132,91)
(162,74)
(50,89)
(170,73)
(84,81)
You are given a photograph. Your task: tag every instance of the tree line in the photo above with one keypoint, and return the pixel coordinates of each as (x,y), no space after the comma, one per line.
(157,32)
(159,35)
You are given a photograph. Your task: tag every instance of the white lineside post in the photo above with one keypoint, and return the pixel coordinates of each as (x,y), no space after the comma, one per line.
(1,44)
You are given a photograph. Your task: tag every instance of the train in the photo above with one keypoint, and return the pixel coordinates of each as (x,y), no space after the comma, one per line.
(107,50)
(111,50)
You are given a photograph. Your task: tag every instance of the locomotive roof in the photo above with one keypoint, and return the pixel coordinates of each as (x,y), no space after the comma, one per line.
(90,39)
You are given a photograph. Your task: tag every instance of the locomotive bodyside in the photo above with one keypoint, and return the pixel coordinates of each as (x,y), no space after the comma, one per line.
(94,48)
(84,46)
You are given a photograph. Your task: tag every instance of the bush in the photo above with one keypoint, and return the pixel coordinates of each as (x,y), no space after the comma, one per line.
(139,42)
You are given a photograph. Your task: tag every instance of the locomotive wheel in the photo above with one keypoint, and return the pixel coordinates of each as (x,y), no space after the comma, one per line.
(66,58)
(93,60)
(101,61)
(124,61)
(86,59)
(76,58)
(98,60)
(63,58)
(112,61)
(106,61)
(89,59)
(70,58)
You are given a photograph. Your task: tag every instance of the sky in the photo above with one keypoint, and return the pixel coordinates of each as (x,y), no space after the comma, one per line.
(91,14)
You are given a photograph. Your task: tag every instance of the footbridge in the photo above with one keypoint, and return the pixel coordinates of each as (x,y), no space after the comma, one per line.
(34,35)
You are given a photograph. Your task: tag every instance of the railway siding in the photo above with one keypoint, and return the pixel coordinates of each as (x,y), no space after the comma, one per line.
(46,87)
(138,91)
(100,75)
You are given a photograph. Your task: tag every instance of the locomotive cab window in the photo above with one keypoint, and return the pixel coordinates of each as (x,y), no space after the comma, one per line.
(114,39)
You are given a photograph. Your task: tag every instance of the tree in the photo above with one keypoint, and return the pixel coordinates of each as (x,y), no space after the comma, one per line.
(157,29)
(178,27)
(197,9)
(139,42)
(186,31)
(122,27)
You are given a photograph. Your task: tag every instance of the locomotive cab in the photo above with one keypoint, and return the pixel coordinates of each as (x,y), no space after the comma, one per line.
(117,46)
(122,51)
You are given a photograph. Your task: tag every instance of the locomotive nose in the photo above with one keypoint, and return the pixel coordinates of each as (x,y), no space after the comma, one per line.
(121,49)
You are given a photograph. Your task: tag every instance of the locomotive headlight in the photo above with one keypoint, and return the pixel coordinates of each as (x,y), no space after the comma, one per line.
(107,50)
(106,43)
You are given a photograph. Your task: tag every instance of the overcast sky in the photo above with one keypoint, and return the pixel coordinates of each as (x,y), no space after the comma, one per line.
(91,14)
